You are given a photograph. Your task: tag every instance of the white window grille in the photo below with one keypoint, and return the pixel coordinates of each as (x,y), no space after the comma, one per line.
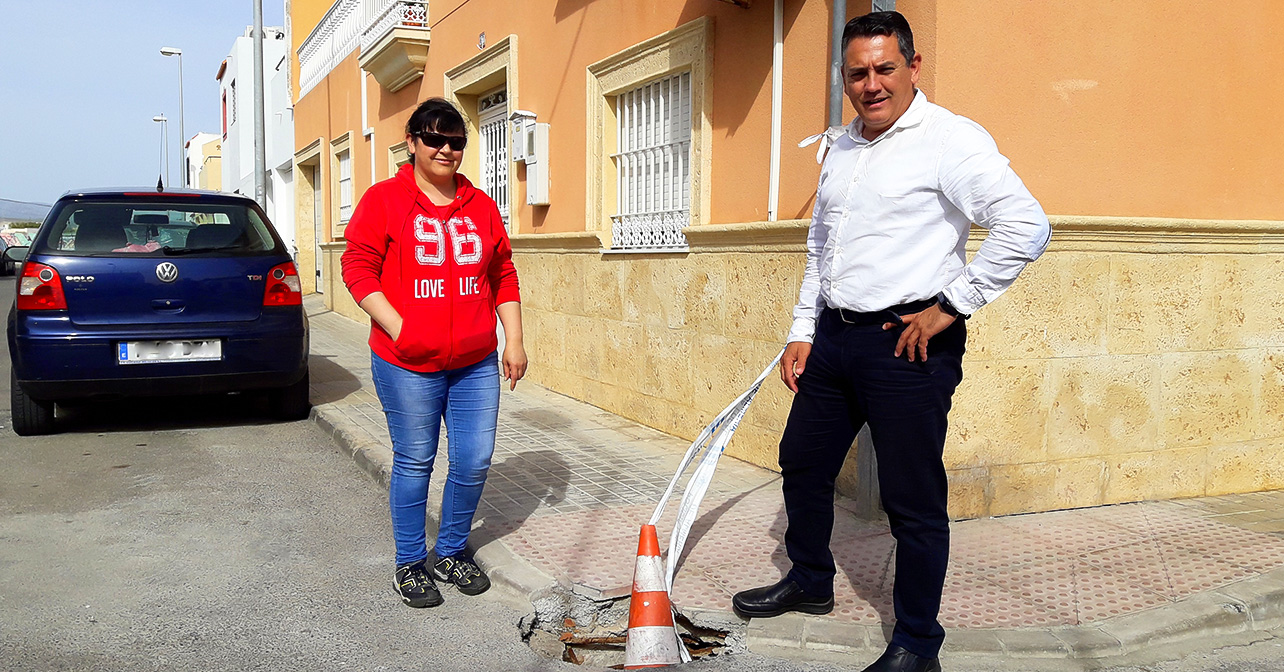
(492,117)
(345,186)
(654,165)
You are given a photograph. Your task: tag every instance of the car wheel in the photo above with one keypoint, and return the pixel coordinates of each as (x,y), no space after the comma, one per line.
(30,416)
(291,403)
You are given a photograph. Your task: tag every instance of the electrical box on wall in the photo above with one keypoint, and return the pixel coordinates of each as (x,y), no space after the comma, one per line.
(530,146)
(518,122)
(536,158)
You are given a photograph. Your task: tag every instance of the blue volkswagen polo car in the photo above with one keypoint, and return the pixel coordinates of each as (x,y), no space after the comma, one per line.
(144,293)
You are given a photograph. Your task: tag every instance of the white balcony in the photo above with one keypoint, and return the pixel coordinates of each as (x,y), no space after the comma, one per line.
(334,39)
(394,41)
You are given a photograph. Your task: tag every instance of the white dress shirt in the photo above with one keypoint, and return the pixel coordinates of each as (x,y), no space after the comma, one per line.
(892,216)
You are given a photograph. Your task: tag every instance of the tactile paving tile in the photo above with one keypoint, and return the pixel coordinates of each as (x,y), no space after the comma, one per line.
(751,572)
(596,548)
(1191,571)
(1100,594)
(1142,563)
(973,601)
(730,540)
(1048,586)
(695,590)
(1235,546)
(988,544)
(1071,532)
(863,609)
(866,562)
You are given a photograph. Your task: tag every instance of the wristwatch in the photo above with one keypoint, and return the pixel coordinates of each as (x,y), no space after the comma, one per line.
(948,308)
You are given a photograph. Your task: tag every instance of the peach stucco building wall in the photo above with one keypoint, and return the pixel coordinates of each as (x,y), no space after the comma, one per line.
(1139,109)
(1142,357)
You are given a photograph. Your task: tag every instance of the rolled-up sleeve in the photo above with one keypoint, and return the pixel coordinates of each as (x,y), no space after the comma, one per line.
(978,180)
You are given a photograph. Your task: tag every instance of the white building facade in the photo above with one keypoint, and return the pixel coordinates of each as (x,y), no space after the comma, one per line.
(236,94)
(199,156)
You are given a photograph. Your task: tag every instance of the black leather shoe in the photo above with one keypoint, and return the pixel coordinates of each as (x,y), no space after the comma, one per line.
(896,659)
(779,598)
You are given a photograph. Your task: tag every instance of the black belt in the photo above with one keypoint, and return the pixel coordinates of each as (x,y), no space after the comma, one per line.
(892,314)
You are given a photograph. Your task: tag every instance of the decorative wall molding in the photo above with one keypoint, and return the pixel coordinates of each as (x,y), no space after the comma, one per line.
(575,242)
(1070,233)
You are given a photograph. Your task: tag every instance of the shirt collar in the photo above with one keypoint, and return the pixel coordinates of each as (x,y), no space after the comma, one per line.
(913,116)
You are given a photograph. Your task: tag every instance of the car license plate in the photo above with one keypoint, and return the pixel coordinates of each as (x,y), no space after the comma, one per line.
(148,352)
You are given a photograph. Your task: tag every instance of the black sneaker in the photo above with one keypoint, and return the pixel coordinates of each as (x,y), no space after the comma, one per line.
(463,572)
(415,585)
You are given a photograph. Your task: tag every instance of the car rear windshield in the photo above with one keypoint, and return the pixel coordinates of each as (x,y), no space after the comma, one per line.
(129,228)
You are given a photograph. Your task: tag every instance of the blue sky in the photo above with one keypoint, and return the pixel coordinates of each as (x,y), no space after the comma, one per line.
(80,81)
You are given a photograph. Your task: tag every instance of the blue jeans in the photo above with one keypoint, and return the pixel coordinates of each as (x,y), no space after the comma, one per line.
(414,404)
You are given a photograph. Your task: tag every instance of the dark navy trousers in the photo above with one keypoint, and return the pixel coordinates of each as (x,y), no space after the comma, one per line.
(850,379)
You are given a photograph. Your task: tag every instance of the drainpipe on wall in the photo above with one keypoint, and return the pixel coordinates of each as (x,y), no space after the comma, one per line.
(777,86)
(366,129)
(836,24)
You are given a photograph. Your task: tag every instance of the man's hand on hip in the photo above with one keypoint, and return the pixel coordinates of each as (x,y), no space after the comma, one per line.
(919,329)
(793,362)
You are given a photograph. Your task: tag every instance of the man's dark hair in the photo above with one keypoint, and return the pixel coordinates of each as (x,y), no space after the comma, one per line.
(885,24)
(436,115)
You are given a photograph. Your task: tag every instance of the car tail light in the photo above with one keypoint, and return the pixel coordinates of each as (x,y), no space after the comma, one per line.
(283,287)
(40,288)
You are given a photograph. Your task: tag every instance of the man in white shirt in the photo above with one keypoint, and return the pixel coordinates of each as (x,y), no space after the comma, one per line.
(878,333)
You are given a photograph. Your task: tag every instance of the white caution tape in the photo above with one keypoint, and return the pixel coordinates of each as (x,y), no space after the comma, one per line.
(826,138)
(709,446)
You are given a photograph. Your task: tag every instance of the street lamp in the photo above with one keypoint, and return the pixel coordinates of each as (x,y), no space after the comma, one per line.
(174,51)
(160,118)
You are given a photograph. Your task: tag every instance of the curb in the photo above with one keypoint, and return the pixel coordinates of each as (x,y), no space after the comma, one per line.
(1241,608)
(1251,605)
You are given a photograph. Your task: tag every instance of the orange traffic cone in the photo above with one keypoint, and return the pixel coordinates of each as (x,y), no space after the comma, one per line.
(652,641)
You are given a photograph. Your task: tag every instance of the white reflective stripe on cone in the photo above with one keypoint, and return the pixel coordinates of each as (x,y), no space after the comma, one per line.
(651,646)
(648,577)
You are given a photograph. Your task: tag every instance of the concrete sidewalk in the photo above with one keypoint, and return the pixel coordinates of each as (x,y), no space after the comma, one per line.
(571,484)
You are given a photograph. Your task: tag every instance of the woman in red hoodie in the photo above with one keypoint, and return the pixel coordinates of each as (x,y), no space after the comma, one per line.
(428,259)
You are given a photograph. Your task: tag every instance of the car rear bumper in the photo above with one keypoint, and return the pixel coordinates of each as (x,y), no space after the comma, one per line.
(53,359)
(159,386)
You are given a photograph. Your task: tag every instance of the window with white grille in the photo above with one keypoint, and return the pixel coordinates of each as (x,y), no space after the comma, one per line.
(345,186)
(492,120)
(654,165)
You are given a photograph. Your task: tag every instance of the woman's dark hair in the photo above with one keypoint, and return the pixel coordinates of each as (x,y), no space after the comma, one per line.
(436,115)
(885,24)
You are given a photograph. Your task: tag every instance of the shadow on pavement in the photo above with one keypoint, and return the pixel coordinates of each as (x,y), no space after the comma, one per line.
(330,381)
(515,488)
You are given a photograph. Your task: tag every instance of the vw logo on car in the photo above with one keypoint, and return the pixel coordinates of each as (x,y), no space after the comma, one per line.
(167,272)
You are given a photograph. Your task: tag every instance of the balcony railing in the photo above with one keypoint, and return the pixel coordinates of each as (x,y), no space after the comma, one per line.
(352,23)
(334,38)
(379,17)
(394,41)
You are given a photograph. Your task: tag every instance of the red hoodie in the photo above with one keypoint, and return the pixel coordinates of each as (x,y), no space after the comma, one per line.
(443,268)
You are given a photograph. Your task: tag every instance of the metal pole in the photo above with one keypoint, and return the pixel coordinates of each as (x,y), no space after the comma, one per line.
(175,51)
(837,22)
(165,146)
(260,141)
(182,137)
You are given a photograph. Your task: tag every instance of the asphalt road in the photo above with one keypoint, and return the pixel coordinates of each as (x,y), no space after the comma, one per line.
(195,534)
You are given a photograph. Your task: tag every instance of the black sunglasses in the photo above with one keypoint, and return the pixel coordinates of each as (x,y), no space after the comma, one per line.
(437,140)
